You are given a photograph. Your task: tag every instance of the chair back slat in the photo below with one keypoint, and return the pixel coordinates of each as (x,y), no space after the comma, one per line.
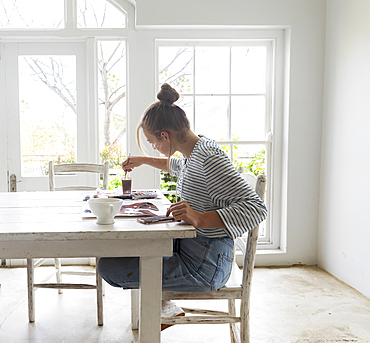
(249,256)
(249,259)
(77,168)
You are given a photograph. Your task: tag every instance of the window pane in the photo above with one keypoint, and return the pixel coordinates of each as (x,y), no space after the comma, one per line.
(251,157)
(48,119)
(212,70)
(230,95)
(17,14)
(248,70)
(112,101)
(99,14)
(211,116)
(176,68)
(248,117)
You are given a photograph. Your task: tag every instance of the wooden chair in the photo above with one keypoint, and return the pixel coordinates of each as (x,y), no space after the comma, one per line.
(33,263)
(77,168)
(237,287)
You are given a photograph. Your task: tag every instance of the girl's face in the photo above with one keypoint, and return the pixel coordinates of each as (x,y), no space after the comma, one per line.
(162,145)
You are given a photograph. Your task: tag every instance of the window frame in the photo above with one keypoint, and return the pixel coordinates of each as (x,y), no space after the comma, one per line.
(274,43)
(70,33)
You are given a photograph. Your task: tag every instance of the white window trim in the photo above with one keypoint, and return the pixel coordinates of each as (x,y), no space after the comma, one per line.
(71,34)
(277,137)
(269,44)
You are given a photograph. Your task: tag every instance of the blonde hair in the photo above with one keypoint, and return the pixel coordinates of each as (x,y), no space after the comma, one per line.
(164,115)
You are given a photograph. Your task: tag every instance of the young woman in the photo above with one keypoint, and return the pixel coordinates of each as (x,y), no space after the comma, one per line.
(214,199)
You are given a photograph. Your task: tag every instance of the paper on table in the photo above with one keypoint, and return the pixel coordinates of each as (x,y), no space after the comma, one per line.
(132,208)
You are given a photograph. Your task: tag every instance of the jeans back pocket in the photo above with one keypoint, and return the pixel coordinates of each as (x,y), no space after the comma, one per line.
(222,273)
(193,251)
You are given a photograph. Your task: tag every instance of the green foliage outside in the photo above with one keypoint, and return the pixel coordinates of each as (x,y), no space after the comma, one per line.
(257,164)
(113,183)
(114,154)
(168,183)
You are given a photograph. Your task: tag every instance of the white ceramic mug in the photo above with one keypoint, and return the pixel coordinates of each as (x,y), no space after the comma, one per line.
(105,209)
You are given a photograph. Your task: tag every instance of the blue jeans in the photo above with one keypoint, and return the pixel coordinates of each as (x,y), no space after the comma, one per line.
(198,264)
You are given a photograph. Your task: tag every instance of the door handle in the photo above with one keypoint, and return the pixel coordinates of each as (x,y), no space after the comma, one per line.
(13,182)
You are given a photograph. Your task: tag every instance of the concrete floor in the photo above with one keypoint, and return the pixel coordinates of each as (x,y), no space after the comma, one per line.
(289,305)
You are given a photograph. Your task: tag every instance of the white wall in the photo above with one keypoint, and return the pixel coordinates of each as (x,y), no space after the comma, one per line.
(307,22)
(344,224)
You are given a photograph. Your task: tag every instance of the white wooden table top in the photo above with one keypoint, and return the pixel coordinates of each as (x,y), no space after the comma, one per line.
(56,216)
(50,224)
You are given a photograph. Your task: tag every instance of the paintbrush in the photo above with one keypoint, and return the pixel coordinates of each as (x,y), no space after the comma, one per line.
(128,161)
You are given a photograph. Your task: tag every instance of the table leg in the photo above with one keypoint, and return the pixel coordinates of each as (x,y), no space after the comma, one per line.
(31,290)
(99,295)
(150,299)
(135,306)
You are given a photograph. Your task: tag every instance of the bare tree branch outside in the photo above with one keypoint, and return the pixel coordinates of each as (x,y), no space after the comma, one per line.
(112,87)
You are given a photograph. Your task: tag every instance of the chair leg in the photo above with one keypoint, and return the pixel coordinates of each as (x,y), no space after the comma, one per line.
(94,262)
(135,298)
(58,274)
(31,290)
(99,295)
(244,324)
(103,288)
(232,312)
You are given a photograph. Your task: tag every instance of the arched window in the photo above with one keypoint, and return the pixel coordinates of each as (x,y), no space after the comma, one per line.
(46,14)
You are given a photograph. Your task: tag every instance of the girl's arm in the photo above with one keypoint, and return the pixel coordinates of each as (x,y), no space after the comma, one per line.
(136,161)
(240,208)
(182,211)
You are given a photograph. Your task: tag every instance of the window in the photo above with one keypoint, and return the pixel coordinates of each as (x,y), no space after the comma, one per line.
(46,14)
(226,90)
(25,14)
(99,14)
(112,100)
(45,82)
(61,97)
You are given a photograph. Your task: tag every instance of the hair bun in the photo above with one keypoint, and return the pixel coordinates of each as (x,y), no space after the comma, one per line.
(168,94)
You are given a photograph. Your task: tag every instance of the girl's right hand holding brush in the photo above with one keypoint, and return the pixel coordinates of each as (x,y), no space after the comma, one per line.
(132,162)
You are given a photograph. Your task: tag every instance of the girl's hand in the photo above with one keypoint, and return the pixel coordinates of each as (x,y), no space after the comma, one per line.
(182,211)
(132,162)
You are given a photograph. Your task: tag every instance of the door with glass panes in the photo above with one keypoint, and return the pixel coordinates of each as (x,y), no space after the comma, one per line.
(46,111)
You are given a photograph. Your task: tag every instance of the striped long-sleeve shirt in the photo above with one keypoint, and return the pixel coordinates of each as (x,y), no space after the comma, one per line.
(209,182)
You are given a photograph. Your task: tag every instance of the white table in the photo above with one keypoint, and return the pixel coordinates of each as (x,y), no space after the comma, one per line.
(49,225)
